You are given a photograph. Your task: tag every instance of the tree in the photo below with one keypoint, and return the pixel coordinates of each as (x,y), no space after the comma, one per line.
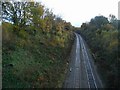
(99,21)
(113,20)
(36,11)
(15,13)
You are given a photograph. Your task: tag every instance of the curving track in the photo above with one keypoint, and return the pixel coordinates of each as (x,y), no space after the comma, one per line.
(82,71)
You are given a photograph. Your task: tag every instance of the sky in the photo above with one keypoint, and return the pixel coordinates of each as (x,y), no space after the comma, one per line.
(79,11)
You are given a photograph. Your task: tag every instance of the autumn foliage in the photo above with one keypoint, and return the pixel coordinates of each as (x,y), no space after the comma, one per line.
(35,46)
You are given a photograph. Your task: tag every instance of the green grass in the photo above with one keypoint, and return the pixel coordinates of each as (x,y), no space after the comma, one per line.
(31,61)
(35,66)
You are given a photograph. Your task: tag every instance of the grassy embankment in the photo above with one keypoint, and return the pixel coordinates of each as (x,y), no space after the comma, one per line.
(30,62)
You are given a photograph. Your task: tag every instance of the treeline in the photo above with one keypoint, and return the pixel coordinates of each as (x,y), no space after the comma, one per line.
(32,18)
(101,35)
(35,46)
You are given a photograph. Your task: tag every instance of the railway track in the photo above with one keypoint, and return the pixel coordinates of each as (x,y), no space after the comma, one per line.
(89,71)
(81,72)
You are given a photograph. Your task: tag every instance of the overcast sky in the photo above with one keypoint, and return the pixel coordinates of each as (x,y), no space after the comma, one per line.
(79,11)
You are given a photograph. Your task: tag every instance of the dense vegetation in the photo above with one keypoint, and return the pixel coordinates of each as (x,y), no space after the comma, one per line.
(101,35)
(36,44)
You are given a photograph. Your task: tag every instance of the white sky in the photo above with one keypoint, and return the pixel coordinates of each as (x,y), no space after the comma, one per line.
(79,11)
